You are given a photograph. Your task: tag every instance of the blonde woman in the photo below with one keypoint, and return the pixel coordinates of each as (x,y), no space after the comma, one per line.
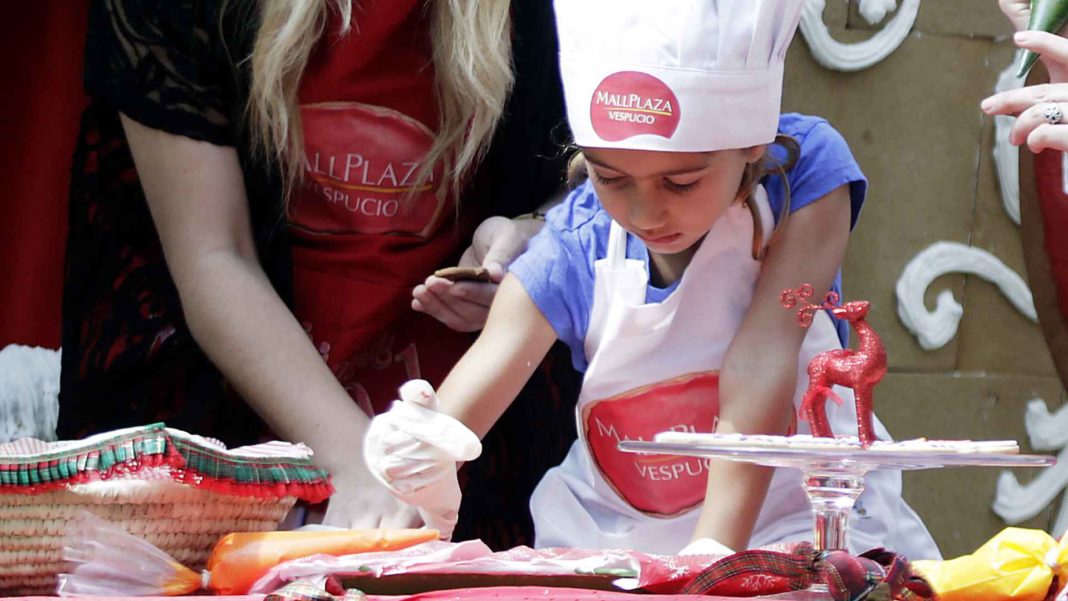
(260,185)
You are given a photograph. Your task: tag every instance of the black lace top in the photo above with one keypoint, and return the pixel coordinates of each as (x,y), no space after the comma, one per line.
(128,358)
(176,66)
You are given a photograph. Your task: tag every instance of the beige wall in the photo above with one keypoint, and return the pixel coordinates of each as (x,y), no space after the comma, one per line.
(914,124)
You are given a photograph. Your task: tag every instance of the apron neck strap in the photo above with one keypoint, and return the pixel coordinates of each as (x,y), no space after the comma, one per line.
(617,246)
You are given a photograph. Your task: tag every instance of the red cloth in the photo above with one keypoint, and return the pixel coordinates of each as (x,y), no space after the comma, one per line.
(1054,205)
(41,50)
(383,61)
(877,574)
(362,234)
(185,598)
(332,590)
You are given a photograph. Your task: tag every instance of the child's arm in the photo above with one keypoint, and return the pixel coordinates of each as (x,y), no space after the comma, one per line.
(493,371)
(759,372)
(414,447)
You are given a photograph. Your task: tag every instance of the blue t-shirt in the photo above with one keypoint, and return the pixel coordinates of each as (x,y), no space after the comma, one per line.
(557,268)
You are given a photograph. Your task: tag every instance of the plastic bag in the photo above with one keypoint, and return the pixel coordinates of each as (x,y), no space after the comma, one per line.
(1018,563)
(110,562)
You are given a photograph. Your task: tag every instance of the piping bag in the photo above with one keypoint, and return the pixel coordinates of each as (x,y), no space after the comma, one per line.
(1046,15)
(1020,564)
(107,561)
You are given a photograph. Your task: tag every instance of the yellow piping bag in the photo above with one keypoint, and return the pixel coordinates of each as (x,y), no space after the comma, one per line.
(1018,564)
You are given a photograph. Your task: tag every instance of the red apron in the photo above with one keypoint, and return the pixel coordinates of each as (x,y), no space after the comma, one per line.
(656,484)
(363,234)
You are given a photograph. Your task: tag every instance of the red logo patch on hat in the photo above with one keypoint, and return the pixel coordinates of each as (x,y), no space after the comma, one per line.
(631,103)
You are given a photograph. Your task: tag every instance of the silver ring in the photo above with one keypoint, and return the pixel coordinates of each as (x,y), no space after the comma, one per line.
(1053,114)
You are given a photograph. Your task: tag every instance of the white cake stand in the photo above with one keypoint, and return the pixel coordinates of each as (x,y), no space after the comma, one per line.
(834,478)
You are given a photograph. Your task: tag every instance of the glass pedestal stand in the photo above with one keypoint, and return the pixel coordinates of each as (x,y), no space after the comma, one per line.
(833,478)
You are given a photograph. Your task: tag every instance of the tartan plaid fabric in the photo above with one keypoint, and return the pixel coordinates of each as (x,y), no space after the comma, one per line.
(301,590)
(878,575)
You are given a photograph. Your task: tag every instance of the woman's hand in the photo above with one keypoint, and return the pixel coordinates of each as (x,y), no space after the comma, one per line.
(360,502)
(1031,103)
(463,306)
(195,191)
(1018,12)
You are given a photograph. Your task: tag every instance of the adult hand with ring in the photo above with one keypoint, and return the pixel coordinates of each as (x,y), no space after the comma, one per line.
(1040,111)
(1040,108)
(1052,113)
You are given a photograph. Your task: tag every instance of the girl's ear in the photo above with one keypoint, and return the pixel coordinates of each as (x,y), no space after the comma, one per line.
(755,153)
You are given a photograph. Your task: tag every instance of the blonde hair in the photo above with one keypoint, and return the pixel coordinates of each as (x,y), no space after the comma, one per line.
(754,173)
(471,49)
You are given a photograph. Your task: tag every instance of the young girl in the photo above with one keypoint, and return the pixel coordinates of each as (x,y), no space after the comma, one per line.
(654,273)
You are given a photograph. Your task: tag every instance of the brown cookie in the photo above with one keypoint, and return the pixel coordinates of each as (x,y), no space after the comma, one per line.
(464,274)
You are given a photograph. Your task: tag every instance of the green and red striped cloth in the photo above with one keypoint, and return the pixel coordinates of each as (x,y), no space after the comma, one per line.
(269,470)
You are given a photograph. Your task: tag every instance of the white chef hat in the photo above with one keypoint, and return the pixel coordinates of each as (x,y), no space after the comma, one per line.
(677,75)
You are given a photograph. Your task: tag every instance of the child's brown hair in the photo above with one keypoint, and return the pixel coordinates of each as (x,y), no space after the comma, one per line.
(754,173)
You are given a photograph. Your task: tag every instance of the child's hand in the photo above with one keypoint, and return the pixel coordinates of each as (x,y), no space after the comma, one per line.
(463,306)
(413,450)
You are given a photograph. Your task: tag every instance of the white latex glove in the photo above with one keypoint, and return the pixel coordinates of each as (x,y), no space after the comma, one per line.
(413,449)
(706,546)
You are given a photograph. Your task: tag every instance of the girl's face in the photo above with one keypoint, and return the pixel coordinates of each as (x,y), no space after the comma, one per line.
(668,199)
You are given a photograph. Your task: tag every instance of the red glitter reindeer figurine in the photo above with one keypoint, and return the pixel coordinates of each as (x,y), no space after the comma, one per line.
(859,369)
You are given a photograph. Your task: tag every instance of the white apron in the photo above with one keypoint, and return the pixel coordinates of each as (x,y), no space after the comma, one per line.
(655,367)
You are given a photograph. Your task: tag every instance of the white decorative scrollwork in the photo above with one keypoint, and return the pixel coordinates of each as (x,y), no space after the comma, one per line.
(875,11)
(1016,502)
(854,57)
(1047,431)
(1007,156)
(935,328)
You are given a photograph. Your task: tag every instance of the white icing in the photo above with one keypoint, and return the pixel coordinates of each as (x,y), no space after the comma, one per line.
(935,328)
(1047,431)
(1007,156)
(874,11)
(1016,502)
(805,441)
(854,57)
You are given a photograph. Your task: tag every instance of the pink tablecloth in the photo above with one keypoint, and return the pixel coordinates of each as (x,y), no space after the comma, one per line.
(498,594)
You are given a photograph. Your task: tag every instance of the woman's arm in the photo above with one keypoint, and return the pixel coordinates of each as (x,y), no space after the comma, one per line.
(759,372)
(196,194)
(493,371)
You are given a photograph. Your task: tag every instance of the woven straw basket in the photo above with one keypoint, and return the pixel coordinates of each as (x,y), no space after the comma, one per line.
(177,491)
